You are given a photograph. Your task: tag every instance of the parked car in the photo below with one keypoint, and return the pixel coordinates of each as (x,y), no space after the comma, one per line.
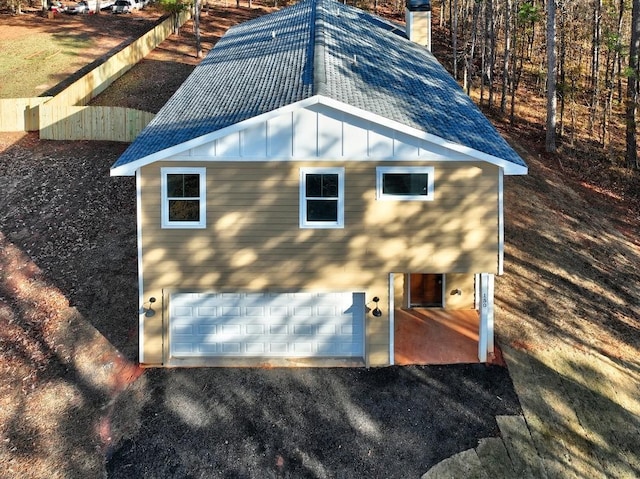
(80,7)
(106,4)
(57,7)
(122,6)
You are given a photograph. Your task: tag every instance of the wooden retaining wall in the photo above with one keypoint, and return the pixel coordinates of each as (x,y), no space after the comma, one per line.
(108,123)
(83,90)
(64,116)
(20,114)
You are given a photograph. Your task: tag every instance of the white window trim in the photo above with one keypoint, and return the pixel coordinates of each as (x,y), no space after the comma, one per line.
(304,223)
(381,170)
(166,223)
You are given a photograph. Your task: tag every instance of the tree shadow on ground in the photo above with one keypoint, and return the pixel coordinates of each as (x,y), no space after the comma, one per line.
(570,276)
(581,409)
(389,422)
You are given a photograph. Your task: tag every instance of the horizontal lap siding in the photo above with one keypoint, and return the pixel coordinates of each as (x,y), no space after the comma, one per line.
(253,241)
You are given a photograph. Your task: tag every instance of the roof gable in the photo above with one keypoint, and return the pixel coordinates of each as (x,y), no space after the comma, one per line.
(318,128)
(317,49)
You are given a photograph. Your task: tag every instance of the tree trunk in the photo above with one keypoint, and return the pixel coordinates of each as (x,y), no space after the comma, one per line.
(516,62)
(454,38)
(492,50)
(595,63)
(618,50)
(474,36)
(196,28)
(552,71)
(632,88)
(562,69)
(507,56)
(608,85)
(483,56)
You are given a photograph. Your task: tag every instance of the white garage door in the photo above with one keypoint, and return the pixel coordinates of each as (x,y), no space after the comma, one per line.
(267,324)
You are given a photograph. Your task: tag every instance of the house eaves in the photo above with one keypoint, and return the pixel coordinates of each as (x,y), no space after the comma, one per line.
(180,152)
(319,51)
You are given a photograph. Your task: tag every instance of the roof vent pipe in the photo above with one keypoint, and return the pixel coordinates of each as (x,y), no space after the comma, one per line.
(418,20)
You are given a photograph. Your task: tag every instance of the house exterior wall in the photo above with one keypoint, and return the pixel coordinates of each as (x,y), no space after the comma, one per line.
(253,242)
(459,291)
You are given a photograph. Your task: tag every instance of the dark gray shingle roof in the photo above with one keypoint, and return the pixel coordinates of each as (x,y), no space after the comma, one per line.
(319,47)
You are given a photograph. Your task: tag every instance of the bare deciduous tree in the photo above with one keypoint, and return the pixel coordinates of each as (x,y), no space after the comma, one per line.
(552,72)
(632,88)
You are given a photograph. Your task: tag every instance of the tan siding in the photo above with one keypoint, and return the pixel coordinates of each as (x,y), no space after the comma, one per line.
(253,240)
(465,283)
(378,355)
(455,232)
(153,328)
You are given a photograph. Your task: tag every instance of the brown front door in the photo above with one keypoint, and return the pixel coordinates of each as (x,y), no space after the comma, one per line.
(425,290)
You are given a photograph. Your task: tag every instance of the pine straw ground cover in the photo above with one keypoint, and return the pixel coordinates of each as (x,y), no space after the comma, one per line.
(67,308)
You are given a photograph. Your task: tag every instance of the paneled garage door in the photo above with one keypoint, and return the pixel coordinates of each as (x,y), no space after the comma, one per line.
(266,325)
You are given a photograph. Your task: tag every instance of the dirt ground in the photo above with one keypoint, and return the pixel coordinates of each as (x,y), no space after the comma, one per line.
(70,391)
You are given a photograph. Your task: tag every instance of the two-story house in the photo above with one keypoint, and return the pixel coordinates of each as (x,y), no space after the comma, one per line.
(317,172)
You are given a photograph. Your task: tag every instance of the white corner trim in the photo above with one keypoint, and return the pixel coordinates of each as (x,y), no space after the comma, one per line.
(392,321)
(500,221)
(491,314)
(486,328)
(140,270)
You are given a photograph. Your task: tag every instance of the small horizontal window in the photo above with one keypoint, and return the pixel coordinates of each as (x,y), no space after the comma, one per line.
(322,197)
(183,197)
(412,183)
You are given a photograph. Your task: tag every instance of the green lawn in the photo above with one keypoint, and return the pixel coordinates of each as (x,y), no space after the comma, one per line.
(33,63)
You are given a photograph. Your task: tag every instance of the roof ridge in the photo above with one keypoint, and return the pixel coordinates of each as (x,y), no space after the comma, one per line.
(319,47)
(309,50)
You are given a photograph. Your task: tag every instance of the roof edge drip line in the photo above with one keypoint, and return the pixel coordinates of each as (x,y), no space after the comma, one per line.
(318,34)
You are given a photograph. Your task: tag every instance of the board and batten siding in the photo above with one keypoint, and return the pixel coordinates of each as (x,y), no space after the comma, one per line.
(253,241)
(323,132)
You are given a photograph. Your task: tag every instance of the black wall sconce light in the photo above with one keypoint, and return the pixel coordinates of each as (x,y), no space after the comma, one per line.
(377,312)
(148,312)
(456,291)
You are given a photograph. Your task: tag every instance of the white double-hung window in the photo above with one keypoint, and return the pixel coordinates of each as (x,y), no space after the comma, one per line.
(321,197)
(184,198)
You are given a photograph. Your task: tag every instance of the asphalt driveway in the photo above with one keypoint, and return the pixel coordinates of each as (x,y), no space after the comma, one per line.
(392,422)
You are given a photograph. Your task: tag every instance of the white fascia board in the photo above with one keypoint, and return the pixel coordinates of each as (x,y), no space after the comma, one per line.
(508,167)
(130,168)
